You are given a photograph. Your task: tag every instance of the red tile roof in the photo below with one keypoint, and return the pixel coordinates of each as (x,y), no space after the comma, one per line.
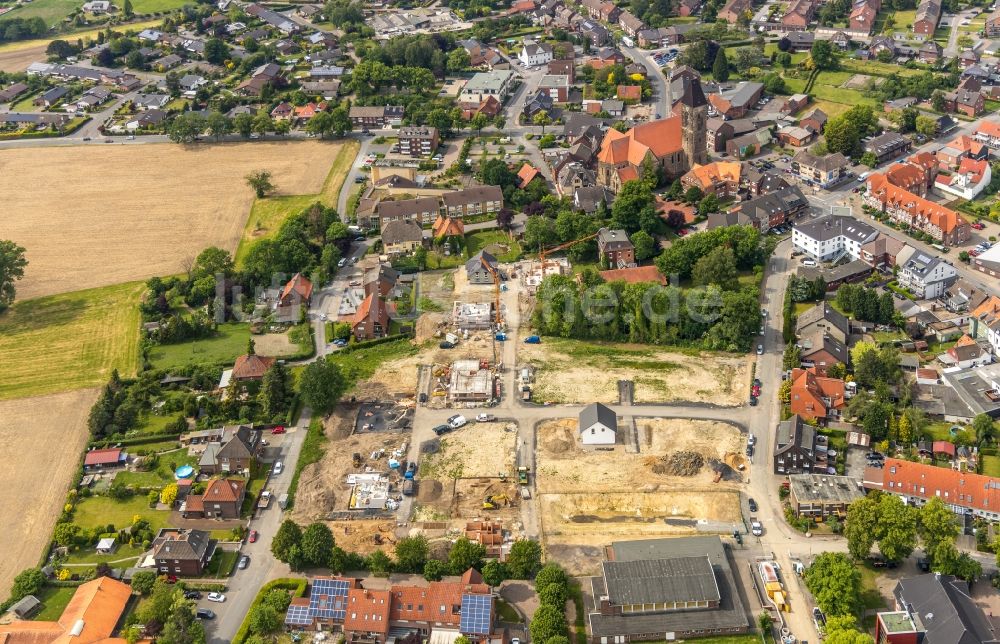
(943,447)
(225,490)
(526,174)
(300,285)
(964,489)
(368,610)
(661,138)
(96,606)
(251,366)
(813,396)
(918,207)
(629,92)
(102,457)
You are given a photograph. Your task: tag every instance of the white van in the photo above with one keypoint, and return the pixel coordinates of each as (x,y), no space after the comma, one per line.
(809,262)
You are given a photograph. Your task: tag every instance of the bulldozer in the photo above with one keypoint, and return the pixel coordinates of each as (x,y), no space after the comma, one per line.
(495,501)
(356,459)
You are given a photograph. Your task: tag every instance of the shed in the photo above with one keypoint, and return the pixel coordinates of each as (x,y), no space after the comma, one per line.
(26,607)
(107,545)
(598,425)
(944,448)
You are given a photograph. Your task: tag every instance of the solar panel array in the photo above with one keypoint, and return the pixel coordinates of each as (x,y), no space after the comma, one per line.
(476,614)
(298,616)
(328,599)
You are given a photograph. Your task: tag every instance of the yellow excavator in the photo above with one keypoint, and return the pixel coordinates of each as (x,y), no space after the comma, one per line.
(494,501)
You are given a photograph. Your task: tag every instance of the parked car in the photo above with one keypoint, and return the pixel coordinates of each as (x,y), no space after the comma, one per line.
(244,562)
(253,536)
(756,527)
(192,594)
(204,613)
(458,420)
(752,504)
(277,430)
(760,349)
(753,401)
(443,429)
(216,597)
(278,467)
(751,439)
(422,397)
(485,418)
(447,345)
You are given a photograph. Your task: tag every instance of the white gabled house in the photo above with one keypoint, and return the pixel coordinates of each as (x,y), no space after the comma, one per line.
(598,425)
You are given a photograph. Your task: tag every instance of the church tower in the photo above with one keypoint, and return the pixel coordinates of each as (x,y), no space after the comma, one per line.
(694,122)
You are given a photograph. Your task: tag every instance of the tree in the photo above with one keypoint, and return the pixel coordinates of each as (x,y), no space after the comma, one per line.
(835,583)
(938,101)
(478,122)
(243,123)
(216,51)
(548,621)
(645,245)
(525,559)
(274,390)
(494,572)
(181,627)
(869,159)
(28,582)
(842,629)
(717,267)
(321,385)
(458,60)
(218,125)
(708,205)
(434,570)
(937,524)
(340,121)
(884,519)
(542,118)
(720,68)
(926,125)
(317,544)
(553,595)
(127,10)
(633,204)
(539,232)
(784,44)
(260,181)
(264,620)
(823,55)
(379,563)
(550,574)
(411,554)
(693,195)
(984,428)
(168,495)
(60,49)
(142,581)
(65,533)
(289,535)
(465,554)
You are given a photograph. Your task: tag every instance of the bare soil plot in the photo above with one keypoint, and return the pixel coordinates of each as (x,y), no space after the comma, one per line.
(581,372)
(47,434)
(17,60)
(476,450)
(563,466)
(96,215)
(274,344)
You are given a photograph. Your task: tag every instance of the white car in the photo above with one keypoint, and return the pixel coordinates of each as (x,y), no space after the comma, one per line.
(278,467)
(751,440)
(485,418)
(756,528)
(216,597)
(457,421)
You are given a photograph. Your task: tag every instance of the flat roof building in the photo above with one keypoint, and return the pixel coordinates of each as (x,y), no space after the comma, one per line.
(819,495)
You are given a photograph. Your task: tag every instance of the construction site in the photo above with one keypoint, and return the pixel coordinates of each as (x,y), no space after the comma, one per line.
(686,479)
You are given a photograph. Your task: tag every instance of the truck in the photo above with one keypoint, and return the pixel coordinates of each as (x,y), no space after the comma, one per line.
(525,393)
(265,500)
(451,337)
(500,337)
(525,493)
(532,339)
(283,501)
(522,475)
(409,487)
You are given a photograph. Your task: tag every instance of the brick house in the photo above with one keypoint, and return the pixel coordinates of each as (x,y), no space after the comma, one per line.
(943,224)
(371,320)
(222,499)
(182,553)
(235,451)
(927,17)
(972,104)
(615,248)
(815,396)
(251,367)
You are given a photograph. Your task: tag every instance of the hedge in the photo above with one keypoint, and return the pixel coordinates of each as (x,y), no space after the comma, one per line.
(298,588)
(136,440)
(350,348)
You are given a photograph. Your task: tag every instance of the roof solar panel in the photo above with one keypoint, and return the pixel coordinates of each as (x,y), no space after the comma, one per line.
(477,614)
(328,599)
(298,616)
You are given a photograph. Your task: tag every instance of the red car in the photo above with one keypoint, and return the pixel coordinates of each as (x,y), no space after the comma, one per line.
(979,225)
(682,232)
(253,536)
(756,391)
(278,430)
(171,579)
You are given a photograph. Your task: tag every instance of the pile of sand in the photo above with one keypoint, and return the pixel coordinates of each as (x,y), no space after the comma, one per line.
(429,490)
(428,325)
(679,464)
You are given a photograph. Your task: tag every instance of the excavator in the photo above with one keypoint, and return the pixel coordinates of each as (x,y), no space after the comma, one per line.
(494,501)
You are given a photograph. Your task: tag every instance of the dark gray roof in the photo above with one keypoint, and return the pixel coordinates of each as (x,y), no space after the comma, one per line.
(181,544)
(941,603)
(479,260)
(400,231)
(679,579)
(597,413)
(784,201)
(793,432)
(833,226)
(691,93)
(823,312)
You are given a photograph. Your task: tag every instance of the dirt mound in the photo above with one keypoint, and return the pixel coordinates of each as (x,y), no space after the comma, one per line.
(558,437)
(433,446)
(429,490)
(728,473)
(679,464)
(428,325)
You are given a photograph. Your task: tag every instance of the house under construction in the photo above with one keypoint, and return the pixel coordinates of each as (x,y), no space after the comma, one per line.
(472,317)
(534,272)
(471,381)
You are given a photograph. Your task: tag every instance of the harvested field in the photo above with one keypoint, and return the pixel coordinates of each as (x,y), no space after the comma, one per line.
(16,56)
(70,341)
(664,463)
(476,450)
(582,372)
(33,486)
(164,210)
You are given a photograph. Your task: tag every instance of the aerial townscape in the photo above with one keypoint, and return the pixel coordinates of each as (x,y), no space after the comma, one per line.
(500,321)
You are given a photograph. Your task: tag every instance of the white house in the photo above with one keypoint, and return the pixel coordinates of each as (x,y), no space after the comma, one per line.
(926,276)
(97,6)
(533,53)
(832,237)
(598,425)
(968,181)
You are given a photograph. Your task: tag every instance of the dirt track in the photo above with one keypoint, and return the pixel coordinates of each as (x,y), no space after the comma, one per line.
(99,215)
(45,437)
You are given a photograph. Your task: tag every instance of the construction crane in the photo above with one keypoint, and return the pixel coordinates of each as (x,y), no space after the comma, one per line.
(545,252)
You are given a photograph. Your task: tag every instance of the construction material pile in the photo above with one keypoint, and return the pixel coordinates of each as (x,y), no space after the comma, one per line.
(683,463)
(724,471)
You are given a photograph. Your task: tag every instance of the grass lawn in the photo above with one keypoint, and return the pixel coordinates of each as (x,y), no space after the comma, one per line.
(157,6)
(436,260)
(162,474)
(313,448)
(493,241)
(154,424)
(876,68)
(102,510)
(69,341)
(54,600)
(991,465)
(230,342)
(870,597)
(359,365)
(222,564)
(51,11)
(89,555)
(267,214)
(904,19)
(939,431)
(507,612)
